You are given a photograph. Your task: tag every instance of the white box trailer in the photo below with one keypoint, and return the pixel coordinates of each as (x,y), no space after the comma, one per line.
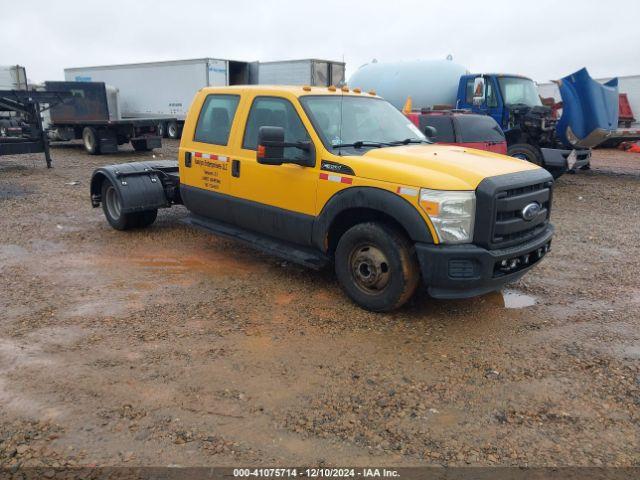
(310,71)
(13,77)
(161,89)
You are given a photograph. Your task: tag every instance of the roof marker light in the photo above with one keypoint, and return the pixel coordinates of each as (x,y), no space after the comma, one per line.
(332,88)
(372,92)
(357,90)
(345,89)
(306,88)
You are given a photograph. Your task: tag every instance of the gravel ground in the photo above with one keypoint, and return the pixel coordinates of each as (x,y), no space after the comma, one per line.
(172,346)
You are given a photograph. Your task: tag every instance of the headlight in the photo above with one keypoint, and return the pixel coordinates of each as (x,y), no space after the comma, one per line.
(451,212)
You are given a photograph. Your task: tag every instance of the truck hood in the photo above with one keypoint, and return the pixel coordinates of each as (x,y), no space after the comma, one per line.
(434,166)
(589,112)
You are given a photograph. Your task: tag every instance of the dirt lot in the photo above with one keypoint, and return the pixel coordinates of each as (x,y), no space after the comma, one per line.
(172,346)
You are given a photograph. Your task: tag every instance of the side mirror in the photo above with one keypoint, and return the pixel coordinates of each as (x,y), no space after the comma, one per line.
(478,91)
(270,145)
(430,132)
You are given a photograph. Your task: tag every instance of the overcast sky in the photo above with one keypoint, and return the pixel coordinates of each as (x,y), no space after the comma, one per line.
(538,38)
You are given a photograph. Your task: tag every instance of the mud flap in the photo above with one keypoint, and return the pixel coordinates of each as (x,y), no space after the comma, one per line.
(139,184)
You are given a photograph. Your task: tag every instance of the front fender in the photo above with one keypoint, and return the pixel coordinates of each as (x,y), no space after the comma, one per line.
(375,199)
(138,184)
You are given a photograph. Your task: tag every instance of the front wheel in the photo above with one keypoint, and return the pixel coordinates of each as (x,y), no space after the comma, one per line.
(524,151)
(376,266)
(112,208)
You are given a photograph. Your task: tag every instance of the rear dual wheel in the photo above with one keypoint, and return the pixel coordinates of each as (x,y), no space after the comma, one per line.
(376,266)
(112,208)
(91,141)
(172,130)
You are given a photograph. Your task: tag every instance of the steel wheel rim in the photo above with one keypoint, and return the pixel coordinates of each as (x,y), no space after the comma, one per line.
(172,130)
(369,269)
(87,140)
(113,203)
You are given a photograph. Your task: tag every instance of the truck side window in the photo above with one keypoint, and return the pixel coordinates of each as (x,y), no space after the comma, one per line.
(216,117)
(469,91)
(275,112)
(492,101)
(443,126)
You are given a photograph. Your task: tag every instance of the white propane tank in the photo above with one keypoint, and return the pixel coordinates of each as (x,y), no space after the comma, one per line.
(427,82)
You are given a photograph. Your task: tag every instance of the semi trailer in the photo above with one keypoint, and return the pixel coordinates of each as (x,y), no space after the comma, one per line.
(26,132)
(165,89)
(12,77)
(532,132)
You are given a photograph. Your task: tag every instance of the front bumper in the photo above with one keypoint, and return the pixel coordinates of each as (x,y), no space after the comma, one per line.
(463,271)
(554,158)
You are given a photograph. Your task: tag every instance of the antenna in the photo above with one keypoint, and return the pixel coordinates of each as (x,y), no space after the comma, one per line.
(341,108)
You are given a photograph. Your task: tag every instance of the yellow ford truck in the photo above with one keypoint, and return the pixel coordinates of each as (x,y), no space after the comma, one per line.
(325,176)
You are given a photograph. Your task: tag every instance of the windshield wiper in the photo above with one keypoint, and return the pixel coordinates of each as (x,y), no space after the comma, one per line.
(407,141)
(362,143)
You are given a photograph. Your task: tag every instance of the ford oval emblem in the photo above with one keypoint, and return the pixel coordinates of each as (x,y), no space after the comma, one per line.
(531,211)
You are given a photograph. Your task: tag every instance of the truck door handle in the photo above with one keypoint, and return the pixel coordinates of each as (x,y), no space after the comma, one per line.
(235,168)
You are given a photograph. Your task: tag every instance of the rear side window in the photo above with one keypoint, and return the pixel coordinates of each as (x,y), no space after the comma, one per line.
(275,112)
(443,126)
(478,128)
(216,117)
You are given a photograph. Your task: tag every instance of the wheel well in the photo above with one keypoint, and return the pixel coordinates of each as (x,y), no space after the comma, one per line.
(96,188)
(353,216)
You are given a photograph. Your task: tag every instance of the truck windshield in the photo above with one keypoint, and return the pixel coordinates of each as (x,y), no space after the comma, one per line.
(521,91)
(359,122)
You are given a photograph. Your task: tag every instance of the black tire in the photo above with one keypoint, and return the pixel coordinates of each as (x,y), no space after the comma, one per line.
(112,208)
(556,172)
(376,266)
(91,141)
(172,130)
(527,152)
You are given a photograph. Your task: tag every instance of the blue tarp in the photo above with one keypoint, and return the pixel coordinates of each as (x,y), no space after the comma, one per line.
(590,110)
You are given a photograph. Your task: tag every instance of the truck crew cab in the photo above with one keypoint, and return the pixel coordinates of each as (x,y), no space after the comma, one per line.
(327,175)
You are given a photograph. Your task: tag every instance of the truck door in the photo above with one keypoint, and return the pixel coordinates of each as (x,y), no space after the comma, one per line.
(492,99)
(278,200)
(489,103)
(206,158)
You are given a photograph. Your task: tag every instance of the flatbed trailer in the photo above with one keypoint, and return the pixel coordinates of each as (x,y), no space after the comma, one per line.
(93,115)
(29,136)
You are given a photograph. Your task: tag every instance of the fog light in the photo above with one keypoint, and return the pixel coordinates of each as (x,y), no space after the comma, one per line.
(503,263)
(514,263)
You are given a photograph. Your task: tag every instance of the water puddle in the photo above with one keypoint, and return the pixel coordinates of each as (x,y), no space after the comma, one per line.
(515,299)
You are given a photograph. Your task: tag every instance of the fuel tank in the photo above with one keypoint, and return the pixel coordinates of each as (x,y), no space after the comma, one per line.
(427,82)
